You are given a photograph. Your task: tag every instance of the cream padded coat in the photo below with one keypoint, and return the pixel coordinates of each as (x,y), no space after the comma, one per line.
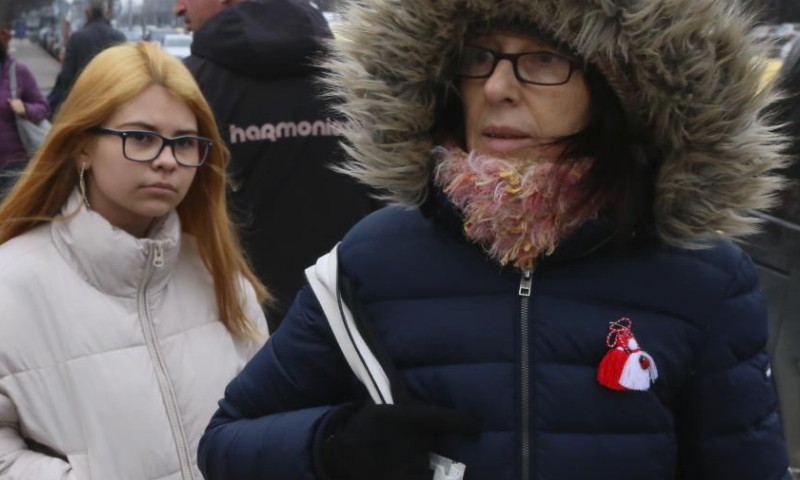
(112,356)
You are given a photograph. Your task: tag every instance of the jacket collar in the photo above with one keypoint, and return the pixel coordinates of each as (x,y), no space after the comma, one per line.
(110,259)
(97,21)
(593,236)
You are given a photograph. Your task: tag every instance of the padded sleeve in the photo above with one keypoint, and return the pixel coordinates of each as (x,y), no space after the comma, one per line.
(267,422)
(727,414)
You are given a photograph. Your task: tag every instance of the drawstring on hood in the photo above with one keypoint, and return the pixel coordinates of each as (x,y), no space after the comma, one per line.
(687,72)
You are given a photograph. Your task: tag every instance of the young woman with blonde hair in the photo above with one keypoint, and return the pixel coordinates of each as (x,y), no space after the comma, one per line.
(126,302)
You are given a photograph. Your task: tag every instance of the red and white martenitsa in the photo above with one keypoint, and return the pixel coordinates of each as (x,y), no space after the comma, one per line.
(626,366)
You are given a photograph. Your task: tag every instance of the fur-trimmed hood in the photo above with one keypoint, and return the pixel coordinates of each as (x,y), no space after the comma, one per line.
(689,70)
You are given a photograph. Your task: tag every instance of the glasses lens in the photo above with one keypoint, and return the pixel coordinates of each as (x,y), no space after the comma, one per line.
(191,151)
(544,68)
(142,146)
(475,62)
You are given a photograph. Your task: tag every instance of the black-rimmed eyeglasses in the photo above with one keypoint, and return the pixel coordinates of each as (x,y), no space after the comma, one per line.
(144,146)
(538,68)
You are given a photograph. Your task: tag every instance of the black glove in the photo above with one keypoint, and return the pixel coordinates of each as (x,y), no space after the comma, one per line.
(387,442)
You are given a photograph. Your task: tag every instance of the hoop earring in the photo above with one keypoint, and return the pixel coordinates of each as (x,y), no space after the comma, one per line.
(82,186)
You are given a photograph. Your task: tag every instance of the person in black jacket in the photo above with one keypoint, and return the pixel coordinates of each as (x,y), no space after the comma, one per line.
(253,61)
(83,45)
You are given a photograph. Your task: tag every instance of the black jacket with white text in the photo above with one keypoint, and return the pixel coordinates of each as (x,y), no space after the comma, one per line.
(253,63)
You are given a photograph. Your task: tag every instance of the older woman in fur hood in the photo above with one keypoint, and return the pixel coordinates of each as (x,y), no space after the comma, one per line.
(555,294)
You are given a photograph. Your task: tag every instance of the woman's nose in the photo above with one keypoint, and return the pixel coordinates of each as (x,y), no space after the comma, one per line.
(502,85)
(166,159)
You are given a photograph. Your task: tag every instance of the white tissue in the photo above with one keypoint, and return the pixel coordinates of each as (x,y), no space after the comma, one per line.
(446,469)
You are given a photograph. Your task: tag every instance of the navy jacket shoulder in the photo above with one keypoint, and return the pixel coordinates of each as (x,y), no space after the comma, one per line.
(397,235)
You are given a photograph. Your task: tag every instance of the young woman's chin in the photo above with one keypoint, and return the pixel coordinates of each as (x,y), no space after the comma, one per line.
(153,208)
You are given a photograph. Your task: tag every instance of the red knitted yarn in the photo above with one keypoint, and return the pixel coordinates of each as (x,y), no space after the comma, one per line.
(611,367)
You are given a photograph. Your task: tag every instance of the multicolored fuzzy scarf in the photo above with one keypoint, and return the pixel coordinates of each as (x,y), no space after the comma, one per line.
(517,211)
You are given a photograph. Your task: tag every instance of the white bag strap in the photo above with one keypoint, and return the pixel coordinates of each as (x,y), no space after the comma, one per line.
(324,281)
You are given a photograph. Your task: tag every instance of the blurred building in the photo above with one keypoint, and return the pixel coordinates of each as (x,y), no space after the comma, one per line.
(157,13)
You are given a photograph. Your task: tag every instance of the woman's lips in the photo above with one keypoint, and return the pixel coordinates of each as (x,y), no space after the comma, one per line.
(505,143)
(502,139)
(162,188)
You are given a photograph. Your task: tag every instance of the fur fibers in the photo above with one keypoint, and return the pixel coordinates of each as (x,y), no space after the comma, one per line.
(687,70)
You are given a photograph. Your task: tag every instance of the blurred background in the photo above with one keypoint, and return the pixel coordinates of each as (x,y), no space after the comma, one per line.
(49,23)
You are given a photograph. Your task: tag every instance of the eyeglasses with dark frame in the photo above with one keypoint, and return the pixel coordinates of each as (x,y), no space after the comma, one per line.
(538,68)
(144,146)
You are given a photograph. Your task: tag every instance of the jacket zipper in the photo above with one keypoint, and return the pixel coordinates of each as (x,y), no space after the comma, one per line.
(525,286)
(158,256)
(156,260)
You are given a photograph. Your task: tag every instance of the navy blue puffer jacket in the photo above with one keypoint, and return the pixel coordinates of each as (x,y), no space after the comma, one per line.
(458,330)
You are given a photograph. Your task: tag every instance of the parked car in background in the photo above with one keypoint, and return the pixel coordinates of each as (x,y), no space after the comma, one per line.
(781,39)
(157,35)
(788,47)
(782,35)
(331,16)
(133,34)
(763,31)
(334,23)
(178,45)
(51,40)
(787,31)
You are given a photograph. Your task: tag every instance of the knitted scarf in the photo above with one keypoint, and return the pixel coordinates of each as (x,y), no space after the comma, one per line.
(516,210)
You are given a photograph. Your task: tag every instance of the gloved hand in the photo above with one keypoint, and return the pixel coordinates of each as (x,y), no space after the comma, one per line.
(387,442)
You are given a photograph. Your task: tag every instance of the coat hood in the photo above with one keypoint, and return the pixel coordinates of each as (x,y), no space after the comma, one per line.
(264,39)
(688,71)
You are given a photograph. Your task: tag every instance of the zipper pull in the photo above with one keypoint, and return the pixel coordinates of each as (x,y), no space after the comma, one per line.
(525,283)
(158,258)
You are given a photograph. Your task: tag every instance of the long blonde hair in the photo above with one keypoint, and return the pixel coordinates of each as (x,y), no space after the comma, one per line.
(113,78)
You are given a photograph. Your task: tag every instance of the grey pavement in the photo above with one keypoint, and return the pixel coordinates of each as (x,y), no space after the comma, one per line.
(44,67)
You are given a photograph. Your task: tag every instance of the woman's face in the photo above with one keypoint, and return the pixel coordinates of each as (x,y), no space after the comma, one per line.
(513,119)
(130,195)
